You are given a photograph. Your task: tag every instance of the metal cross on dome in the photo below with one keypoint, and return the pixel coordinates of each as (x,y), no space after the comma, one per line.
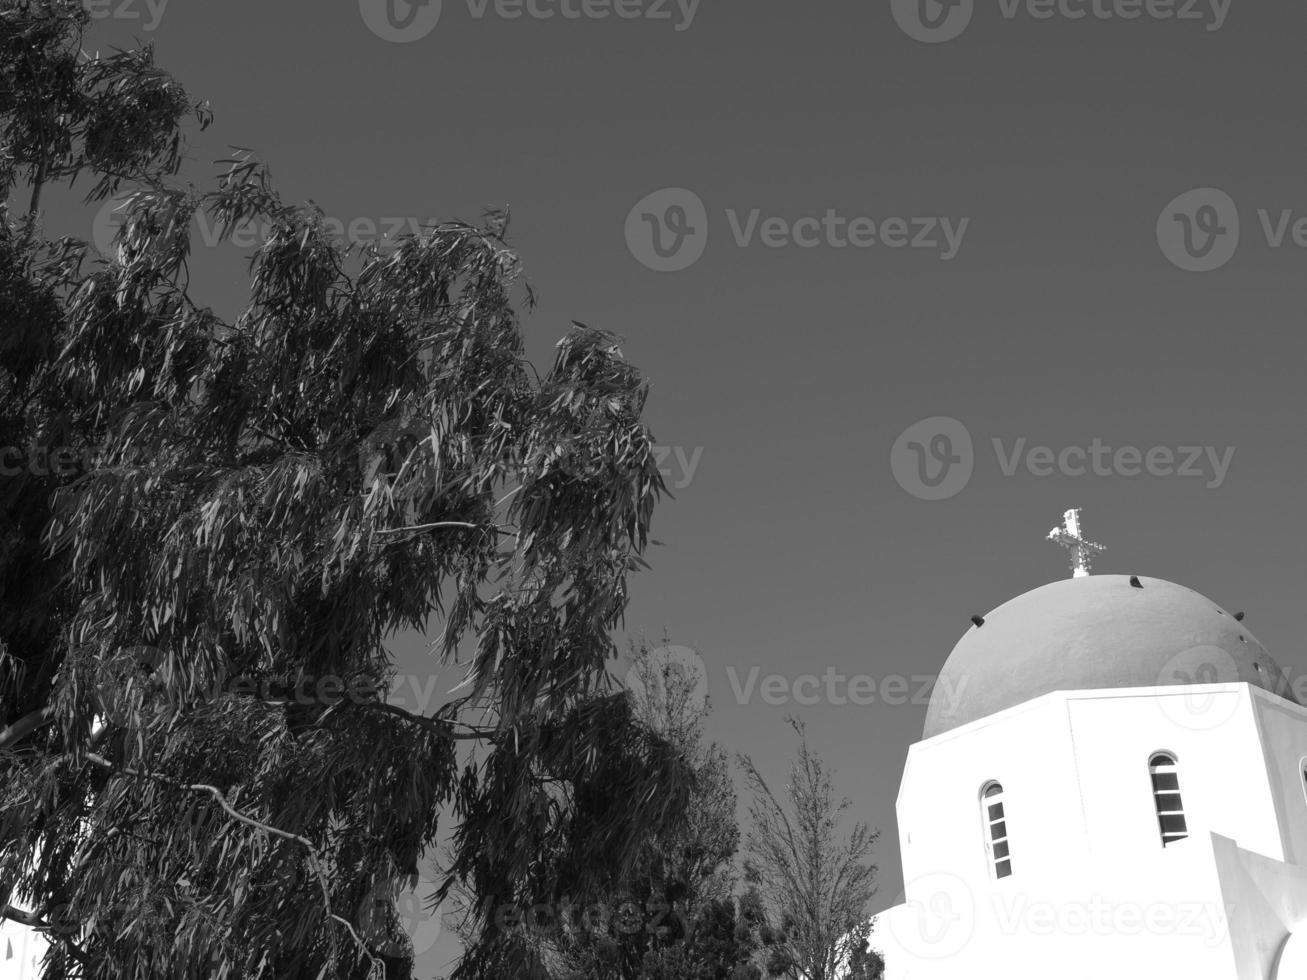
(1068,536)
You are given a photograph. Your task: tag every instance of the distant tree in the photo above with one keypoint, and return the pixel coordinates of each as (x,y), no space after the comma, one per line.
(364,449)
(815,883)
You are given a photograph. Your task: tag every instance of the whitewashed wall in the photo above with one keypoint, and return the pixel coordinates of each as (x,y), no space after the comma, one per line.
(1093,892)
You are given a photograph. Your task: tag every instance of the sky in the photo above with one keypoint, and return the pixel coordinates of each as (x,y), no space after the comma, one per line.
(909,280)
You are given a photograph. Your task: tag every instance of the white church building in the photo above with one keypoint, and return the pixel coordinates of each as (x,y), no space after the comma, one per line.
(1111,783)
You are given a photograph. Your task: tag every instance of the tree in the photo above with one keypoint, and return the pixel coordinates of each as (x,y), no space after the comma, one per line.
(695,853)
(816,884)
(200,774)
(864,963)
(673,916)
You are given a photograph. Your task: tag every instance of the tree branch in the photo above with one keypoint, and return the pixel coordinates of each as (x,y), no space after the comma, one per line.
(441,728)
(15,914)
(437,524)
(314,860)
(34,921)
(34,206)
(25,725)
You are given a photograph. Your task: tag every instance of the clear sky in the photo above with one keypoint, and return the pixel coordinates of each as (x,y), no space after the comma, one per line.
(1035,160)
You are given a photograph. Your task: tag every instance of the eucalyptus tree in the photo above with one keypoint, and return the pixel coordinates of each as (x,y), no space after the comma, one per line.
(200,775)
(674,915)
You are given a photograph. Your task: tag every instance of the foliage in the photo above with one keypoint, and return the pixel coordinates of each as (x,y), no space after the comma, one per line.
(815,883)
(201,776)
(672,915)
(864,963)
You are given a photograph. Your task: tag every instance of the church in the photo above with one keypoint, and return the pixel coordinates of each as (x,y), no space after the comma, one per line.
(1112,782)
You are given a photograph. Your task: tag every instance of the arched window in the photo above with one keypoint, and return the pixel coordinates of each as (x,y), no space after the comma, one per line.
(995,821)
(1165,775)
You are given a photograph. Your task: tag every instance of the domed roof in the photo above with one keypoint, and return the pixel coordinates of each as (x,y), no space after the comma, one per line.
(1098,631)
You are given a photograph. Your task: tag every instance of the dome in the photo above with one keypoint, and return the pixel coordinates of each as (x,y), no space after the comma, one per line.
(1098,631)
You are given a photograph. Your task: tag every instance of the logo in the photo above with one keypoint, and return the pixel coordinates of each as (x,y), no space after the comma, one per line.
(673,681)
(111,216)
(938,917)
(933,459)
(667,231)
(1199,710)
(420,924)
(932,21)
(400,21)
(1199,230)
(128,10)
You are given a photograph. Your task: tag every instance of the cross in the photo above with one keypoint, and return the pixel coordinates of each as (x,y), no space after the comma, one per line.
(1068,536)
